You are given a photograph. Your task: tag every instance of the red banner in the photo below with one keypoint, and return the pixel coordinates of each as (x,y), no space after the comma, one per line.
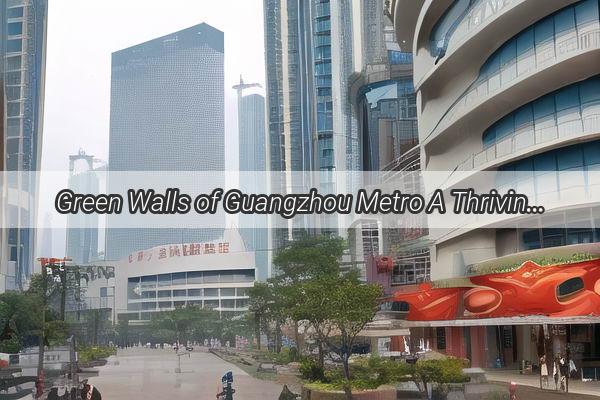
(566,290)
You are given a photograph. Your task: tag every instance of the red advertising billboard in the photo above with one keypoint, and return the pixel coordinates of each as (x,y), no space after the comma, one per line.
(565,290)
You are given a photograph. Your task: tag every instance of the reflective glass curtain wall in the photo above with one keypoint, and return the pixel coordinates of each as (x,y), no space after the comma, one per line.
(22,48)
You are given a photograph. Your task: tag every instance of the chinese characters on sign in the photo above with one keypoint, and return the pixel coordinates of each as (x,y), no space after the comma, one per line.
(183,250)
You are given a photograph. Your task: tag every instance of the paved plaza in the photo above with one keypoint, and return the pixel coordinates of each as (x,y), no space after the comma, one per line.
(533,381)
(149,374)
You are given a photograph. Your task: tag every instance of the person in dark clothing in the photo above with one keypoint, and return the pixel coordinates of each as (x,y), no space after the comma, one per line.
(89,392)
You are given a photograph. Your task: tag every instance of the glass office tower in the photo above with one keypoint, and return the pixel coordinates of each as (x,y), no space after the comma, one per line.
(22,48)
(167,114)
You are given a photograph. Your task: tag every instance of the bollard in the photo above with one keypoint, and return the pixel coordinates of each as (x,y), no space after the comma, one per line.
(513,391)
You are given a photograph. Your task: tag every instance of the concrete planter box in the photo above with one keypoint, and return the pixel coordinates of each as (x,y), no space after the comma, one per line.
(381,393)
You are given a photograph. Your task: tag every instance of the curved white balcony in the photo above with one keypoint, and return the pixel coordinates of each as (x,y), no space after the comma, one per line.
(405,14)
(482,99)
(487,23)
(530,141)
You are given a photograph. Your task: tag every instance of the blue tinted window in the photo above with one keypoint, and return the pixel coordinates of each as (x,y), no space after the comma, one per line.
(179,278)
(524,165)
(489,137)
(591,153)
(590,90)
(445,26)
(564,20)
(508,52)
(15,28)
(545,162)
(491,66)
(531,239)
(564,158)
(525,42)
(13,45)
(523,116)
(544,31)
(504,127)
(586,12)
(399,57)
(570,157)
(16,12)
(567,98)
(323,68)
(543,107)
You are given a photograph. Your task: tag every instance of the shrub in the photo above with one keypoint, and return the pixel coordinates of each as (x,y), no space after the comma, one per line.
(87,354)
(311,370)
(447,370)
(10,346)
(285,356)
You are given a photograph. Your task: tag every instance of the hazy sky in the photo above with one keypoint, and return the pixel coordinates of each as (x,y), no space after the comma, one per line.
(82,34)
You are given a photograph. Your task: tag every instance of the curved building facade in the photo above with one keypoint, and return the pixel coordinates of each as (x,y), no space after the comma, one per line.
(511,86)
(214,275)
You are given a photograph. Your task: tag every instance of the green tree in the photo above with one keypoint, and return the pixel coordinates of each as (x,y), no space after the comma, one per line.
(21,321)
(260,305)
(339,307)
(303,260)
(307,258)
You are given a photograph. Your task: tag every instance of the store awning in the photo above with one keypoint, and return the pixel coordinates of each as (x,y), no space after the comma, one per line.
(524,320)
(384,332)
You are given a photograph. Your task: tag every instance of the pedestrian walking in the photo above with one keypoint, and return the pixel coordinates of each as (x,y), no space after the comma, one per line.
(543,372)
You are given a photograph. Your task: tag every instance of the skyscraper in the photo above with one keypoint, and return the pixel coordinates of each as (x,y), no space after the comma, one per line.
(82,241)
(22,48)
(251,127)
(309,63)
(167,114)
(288,58)
(252,151)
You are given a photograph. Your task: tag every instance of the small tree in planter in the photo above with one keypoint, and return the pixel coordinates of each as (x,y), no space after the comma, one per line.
(441,371)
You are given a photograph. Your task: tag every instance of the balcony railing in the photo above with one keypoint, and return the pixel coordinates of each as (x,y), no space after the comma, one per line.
(529,138)
(480,13)
(542,57)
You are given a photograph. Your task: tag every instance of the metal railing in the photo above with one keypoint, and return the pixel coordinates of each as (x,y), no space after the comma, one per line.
(531,137)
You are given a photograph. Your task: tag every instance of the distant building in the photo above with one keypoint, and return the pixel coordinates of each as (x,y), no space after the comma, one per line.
(214,275)
(167,114)
(252,153)
(22,48)
(82,229)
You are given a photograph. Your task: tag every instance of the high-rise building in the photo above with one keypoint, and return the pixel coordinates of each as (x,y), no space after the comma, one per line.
(167,114)
(252,153)
(309,62)
(336,130)
(289,100)
(82,229)
(22,71)
(287,59)
(386,110)
(512,87)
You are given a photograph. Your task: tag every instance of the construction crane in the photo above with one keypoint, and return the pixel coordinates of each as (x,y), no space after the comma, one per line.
(241,86)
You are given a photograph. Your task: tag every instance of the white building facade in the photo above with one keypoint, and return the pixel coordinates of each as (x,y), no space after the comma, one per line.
(510,86)
(214,275)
